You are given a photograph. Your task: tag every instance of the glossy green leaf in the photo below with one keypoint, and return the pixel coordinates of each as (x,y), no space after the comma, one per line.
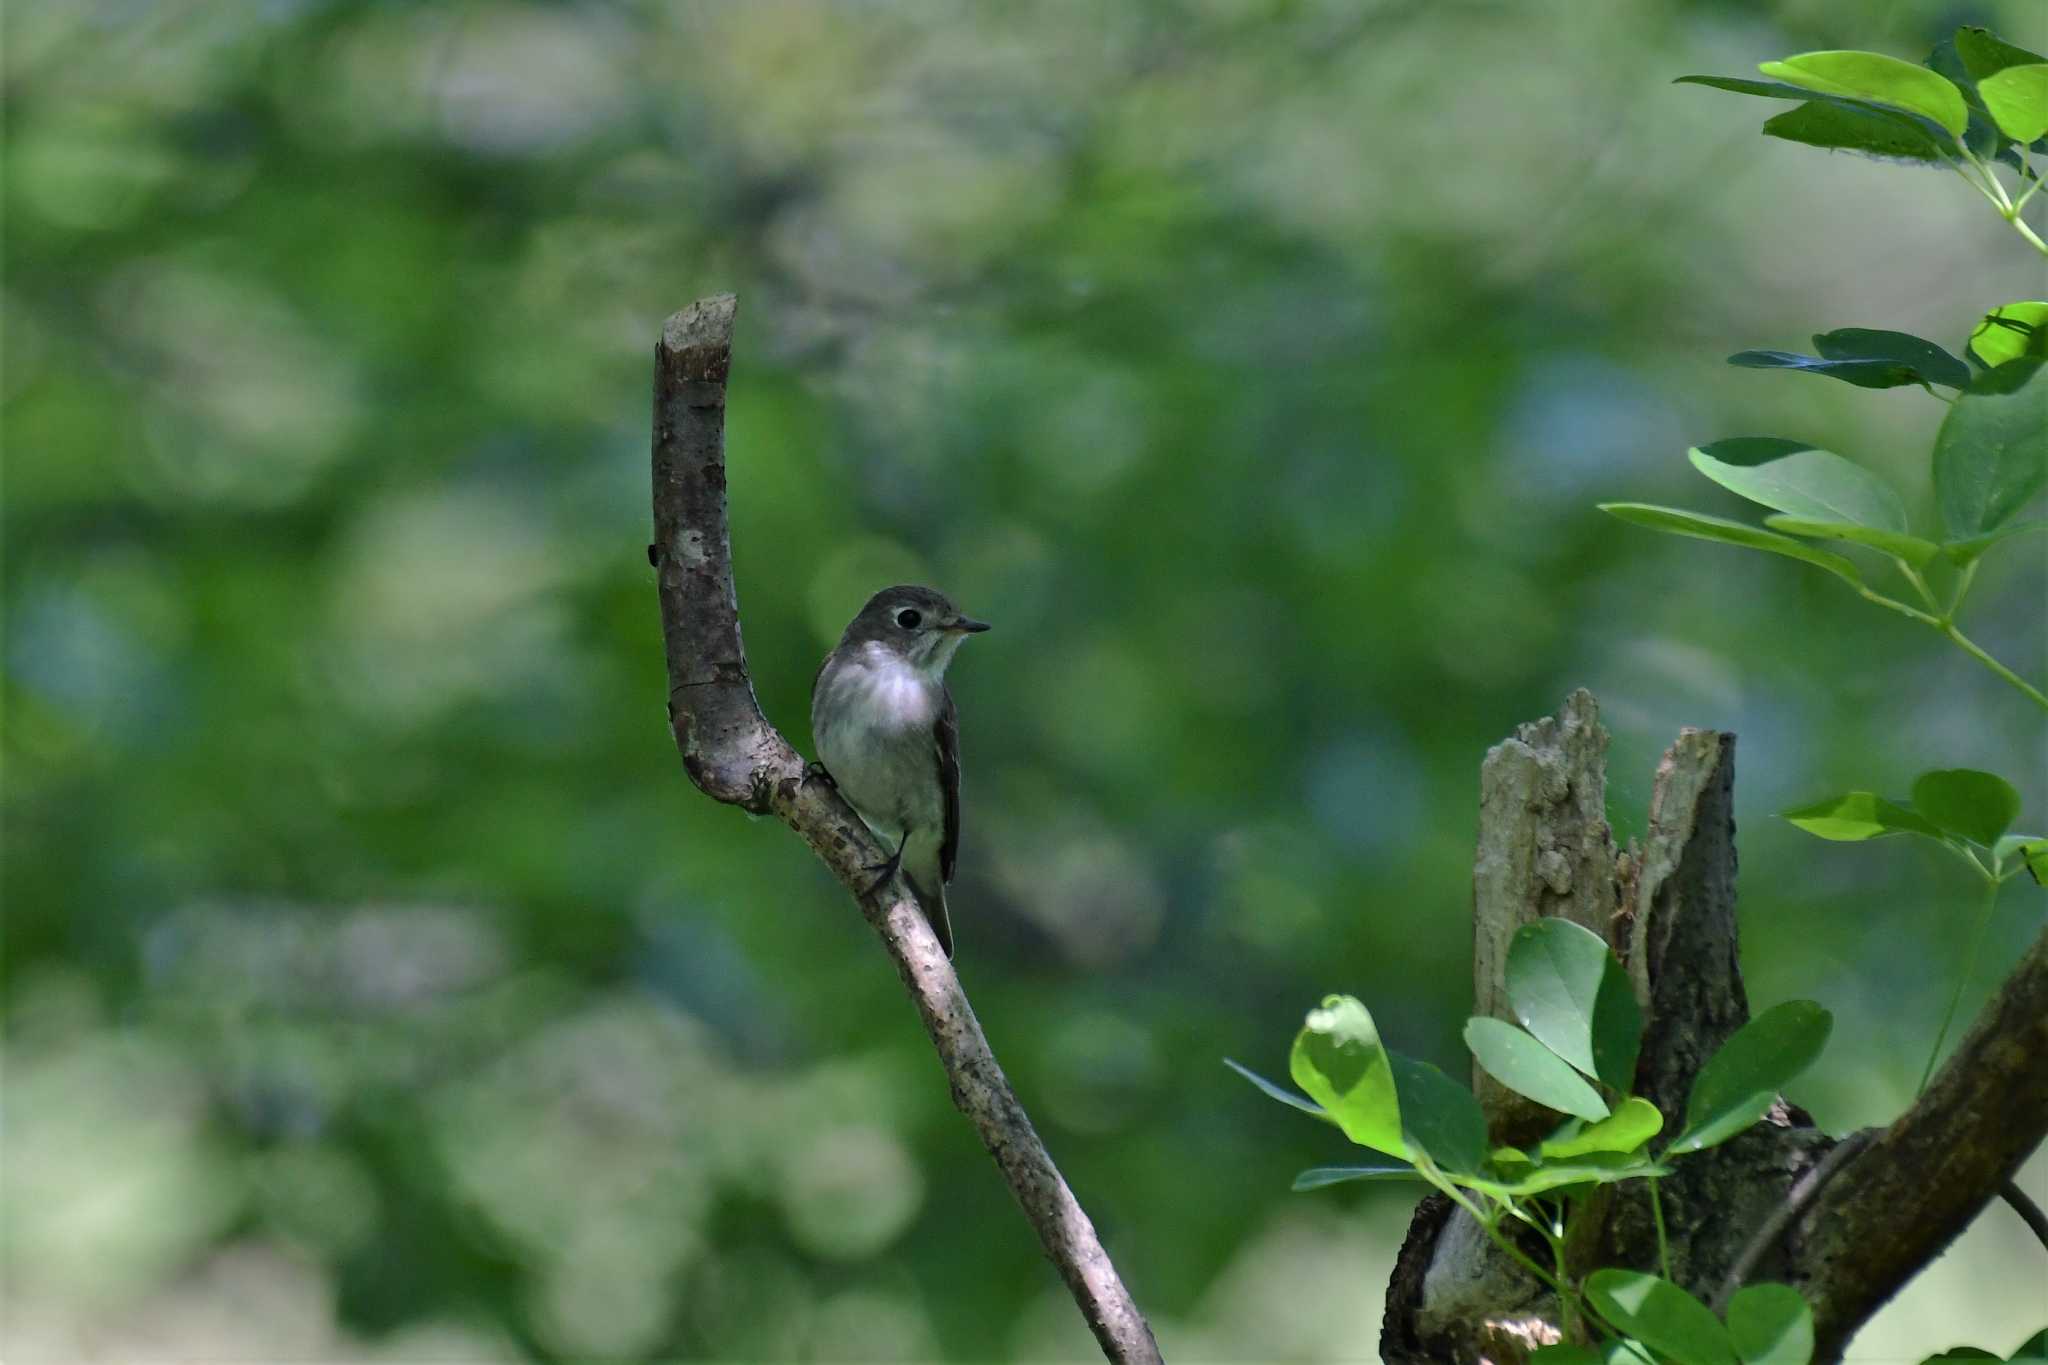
(1961,1353)
(1991,454)
(1876,77)
(1963,551)
(1280,1093)
(1739,1082)
(1802,481)
(1770,1325)
(1978,806)
(1590,1168)
(1565,1355)
(2017,99)
(1984,53)
(1661,1315)
(1863,373)
(1915,551)
(1702,527)
(1920,357)
(2033,1348)
(1855,816)
(2011,331)
(2030,849)
(1634,1122)
(1317,1177)
(1339,1061)
(1846,127)
(2035,852)
(1439,1117)
(1833,121)
(1982,136)
(1570,992)
(1515,1059)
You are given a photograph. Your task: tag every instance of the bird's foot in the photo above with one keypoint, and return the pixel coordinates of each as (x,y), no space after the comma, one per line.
(886,870)
(816,772)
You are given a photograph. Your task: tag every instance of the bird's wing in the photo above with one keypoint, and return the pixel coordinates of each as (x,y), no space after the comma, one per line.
(947,732)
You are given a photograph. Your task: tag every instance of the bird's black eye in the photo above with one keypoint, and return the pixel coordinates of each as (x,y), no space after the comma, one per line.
(910,618)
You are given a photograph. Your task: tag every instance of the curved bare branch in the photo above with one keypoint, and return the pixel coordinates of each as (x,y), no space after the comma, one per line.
(735,756)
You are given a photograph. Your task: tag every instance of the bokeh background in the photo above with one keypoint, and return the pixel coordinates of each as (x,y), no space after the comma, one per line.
(377,987)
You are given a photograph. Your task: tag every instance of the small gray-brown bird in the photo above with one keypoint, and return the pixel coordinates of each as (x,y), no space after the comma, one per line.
(889,735)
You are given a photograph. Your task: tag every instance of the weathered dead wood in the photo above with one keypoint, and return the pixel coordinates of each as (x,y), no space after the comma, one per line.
(1668,907)
(1880,1208)
(735,756)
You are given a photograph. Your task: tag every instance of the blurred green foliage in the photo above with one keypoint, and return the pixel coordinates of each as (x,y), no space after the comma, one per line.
(376,985)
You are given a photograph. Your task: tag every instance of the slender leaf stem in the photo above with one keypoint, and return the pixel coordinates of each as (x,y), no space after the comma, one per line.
(1963,581)
(1970,647)
(1913,576)
(1987,183)
(1491,1226)
(1663,1244)
(2020,226)
(1894,604)
(1945,623)
(1969,969)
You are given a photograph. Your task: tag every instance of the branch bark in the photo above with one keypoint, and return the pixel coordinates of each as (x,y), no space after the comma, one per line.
(1926,1176)
(735,756)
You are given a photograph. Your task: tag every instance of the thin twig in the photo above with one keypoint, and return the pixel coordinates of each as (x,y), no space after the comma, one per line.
(1803,1192)
(2029,1212)
(735,756)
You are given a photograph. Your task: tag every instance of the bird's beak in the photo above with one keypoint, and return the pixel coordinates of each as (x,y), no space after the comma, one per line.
(967,625)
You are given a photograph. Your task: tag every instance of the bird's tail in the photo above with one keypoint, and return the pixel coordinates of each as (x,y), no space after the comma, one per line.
(933,902)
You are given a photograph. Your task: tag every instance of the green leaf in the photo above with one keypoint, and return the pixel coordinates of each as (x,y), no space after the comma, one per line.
(1565,1355)
(1592,1168)
(1982,136)
(1771,1325)
(1922,357)
(1979,806)
(1281,1093)
(1991,454)
(1439,1117)
(1739,1082)
(1963,551)
(1568,990)
(2032,850)
(1662,1315)
(1984,53)
(1836,122)
(1855,816)
(2035,851)
(2034,1347)
(1863,373)
(1702,527)
(2017,99)
(1915,551)
(1845,127)
(1878,78)
(1338,1060)
(1815,484)
(1961,1353)
(1634,1122)
(1515,1059)
(2011,331)
(1317,1177)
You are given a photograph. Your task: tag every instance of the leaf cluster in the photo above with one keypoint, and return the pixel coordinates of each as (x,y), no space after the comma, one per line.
(1965,811)
(1572,1047)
